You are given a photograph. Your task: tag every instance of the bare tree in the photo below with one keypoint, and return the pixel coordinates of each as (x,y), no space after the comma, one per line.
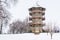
(4,13)
(51,28)
(4,16)
(16,27)
(56,29)
(20,27)
(26,25)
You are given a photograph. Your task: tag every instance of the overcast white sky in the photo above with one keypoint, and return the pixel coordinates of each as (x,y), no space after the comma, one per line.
(20,11)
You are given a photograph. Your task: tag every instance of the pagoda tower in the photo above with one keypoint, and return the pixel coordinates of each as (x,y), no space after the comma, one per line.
(36,19)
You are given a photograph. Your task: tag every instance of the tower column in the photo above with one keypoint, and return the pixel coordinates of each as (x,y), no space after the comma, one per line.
(36,19)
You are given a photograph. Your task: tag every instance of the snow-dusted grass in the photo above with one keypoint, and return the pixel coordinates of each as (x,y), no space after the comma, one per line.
(30,36)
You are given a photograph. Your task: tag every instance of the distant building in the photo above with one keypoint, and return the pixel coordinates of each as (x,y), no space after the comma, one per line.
(36,19)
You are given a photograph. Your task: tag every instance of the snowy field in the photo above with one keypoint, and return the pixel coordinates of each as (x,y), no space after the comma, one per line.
(30,36)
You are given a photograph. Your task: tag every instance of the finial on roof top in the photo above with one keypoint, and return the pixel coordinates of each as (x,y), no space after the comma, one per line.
(37,3)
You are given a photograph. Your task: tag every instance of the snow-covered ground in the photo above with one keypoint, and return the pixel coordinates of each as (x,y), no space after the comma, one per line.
(30,36)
